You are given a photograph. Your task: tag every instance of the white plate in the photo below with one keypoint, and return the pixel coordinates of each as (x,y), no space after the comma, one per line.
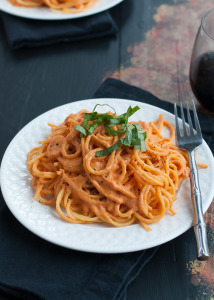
(45,13)
(45,222)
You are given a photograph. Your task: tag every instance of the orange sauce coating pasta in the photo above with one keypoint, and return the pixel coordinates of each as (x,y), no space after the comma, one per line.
(128,186)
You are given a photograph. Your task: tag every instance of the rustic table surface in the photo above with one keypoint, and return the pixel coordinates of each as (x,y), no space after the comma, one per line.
(152,50)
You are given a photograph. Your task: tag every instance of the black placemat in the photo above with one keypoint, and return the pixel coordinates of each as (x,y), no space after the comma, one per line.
(22,32)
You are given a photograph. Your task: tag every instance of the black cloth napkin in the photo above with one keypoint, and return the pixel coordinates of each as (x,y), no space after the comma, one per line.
(31,268)
(21,32)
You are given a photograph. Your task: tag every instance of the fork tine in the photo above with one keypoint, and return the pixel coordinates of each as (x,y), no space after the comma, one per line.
(178,133)
(189,119)
(197,124)
(183,119)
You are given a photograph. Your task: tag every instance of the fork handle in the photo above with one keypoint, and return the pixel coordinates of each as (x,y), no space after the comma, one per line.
(199,222)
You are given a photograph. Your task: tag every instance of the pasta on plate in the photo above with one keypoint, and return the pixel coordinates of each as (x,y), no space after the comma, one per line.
(66,6)
(101,168)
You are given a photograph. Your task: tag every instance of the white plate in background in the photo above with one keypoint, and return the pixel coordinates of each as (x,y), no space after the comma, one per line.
(45,13)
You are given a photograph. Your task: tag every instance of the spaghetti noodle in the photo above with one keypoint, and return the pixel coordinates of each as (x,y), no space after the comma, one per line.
(121,188)
(66,6)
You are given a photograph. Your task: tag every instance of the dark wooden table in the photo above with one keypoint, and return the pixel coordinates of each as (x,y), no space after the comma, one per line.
(152,50)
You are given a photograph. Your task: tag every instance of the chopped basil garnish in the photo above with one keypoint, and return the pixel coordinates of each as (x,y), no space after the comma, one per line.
(135,137)
(128,138)
(109,150)
(82,130)
(116,132)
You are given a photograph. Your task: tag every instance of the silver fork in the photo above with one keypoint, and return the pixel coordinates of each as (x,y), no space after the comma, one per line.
(189,141)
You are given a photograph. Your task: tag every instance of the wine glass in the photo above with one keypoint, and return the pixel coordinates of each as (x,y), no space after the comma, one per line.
(202,62)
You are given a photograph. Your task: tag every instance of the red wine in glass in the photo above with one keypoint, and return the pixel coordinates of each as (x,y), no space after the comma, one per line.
(202,79)
(202,62)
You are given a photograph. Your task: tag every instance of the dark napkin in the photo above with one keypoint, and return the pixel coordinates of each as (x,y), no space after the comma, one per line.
(32,268)
(23,32)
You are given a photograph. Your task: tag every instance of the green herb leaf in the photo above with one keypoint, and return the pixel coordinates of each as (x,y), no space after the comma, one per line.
(139,132)
(101,119)
(117,120)
(128,137)
(133,110)
(142,136)
(121,119)
(136,142)
(143,146)
(89,117)
(104,105)
(114,132)
(82,130)
(109,150)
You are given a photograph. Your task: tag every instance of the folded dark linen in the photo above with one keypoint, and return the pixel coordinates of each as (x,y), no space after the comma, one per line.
(21,32)
(32,268)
